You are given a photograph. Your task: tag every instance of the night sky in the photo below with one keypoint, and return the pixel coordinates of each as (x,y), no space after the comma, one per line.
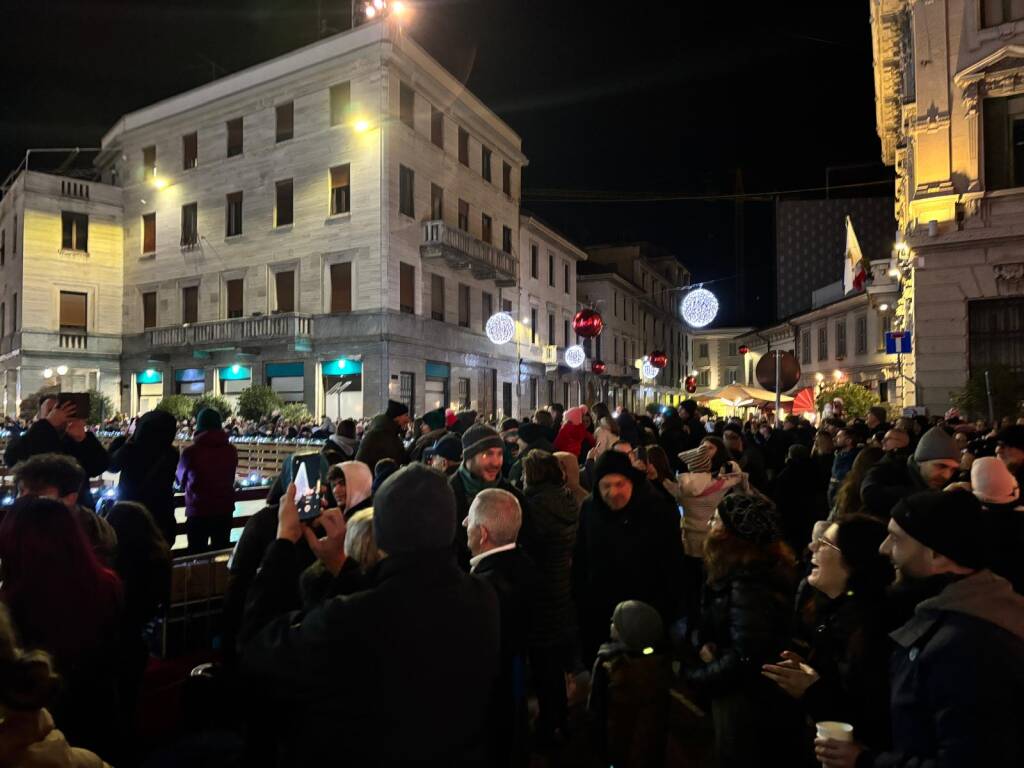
(622,101)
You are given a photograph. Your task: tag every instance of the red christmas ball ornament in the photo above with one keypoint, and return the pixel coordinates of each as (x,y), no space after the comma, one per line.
(691,384)
(588,323)
(598,367)
(658,358)
(744,349)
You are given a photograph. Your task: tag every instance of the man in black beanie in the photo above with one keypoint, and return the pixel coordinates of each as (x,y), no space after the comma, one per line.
(957,674)
(383,438)
(398,674)
(628,547)
(531,436)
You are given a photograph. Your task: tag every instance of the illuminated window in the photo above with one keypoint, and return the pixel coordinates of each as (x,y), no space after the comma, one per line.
(340,189)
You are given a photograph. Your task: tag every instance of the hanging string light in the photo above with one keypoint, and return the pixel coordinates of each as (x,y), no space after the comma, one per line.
(699,307)
(500,328)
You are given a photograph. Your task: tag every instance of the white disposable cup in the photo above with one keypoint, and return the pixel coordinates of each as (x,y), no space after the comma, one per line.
(830,729)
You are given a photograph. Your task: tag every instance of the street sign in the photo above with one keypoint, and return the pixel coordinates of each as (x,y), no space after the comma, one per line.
(897,343)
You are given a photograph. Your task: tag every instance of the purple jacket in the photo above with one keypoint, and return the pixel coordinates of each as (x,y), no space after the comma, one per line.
(206,471)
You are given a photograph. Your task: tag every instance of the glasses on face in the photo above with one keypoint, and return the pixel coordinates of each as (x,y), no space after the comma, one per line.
(821,541)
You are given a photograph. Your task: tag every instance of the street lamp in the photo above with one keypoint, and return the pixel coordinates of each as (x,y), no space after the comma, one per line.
(62,370)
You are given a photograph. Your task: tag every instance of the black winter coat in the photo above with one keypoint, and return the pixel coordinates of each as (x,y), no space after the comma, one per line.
(393,675)
(549,536)
(515,474)
(147,462)
(893,478)
(41,437)
(382,441)
(425,441)
(800,496)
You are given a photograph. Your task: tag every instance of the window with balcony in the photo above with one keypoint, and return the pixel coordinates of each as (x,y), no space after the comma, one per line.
(506,239)
(805,347)
(485,163)
(407,105)
(406,185)
(341,189)
(506,178)
(73,312)
(406,288)
(464,305)
(149,309)
(149,232)
(436,203)
(190,224)
(437,298)
(485,228)
(341,98)
(464,147)
(840,339)
(234,291)
(463,215)
(341,287)
(284,121)
(436,127)
(284,291)
(148,163)
(189,151)
(822,344)
(233,215)
(996,12)
(234,128)
(486,308)
(534,257)
(283,203)
(190,304)
(533,325)
(74,231)
(1004,142)
(861,331)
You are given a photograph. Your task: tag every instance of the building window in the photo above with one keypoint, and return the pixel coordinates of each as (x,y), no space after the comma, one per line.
(533,325)
(464,394)
(805,347)
(406,288)
(15,317)
(506,398)
(75,231)
(485,228)
(702,349)
(340,189)
(506,305)
(284,115)
(861,331)
(823,343)
(464,147)
(233,215)
(341,97)
(436,127)
(565,332)
(704,378)
(149,309)
(406,184)
(234,137)
(148,163)
(284,291)
(486,308)
(463,215)
(533,261)
(464,305)
(436,203)
(884,327)
(840,339)
(3,246)
(190,304)
(149,233)
(407,105)
(485,163)
(506,178)
(506,239)
(73,311)
(407,389)
(565,275)
(190,224)
(1004,142)
(283,213)
(533,393)
(437,298)
(551,270)
(732,351)
(3,319)
(731,376)
(189,151)
(341,287)
(996,12)
(235,292)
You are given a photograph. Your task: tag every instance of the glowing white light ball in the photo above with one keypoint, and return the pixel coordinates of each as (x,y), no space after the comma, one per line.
(500,328)
(649,371)
(575,356)
(699,307)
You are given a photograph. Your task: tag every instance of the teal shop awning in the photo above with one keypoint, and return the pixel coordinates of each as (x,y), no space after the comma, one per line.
(438,371)
(190,374)
(149,376)
(275,370)
(342,367)
(235,373)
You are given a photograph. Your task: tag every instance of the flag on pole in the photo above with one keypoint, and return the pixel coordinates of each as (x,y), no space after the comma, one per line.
(854,274)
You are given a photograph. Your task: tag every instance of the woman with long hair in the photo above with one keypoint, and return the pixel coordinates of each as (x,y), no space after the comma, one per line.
(848,499)
(745,619)
(67,604)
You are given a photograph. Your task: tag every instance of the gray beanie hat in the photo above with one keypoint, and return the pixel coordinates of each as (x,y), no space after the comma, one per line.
(414,510)
(479,438)
(638,624)
(936,443)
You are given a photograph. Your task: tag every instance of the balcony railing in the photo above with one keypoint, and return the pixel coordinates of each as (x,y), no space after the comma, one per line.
(73,340)
(463,251)
(236,330)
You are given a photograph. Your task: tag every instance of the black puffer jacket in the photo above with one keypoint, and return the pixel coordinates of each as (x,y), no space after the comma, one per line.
(382,441)
(887,482)
(549,536)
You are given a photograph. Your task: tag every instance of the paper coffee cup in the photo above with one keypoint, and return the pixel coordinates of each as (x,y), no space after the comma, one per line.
(829,729)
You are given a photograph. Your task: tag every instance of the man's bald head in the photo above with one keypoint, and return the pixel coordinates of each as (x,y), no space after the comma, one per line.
(493,521)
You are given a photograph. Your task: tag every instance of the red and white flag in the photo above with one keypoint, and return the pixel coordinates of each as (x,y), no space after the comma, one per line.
(854,274)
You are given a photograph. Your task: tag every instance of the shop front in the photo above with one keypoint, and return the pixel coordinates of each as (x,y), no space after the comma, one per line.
(342,382)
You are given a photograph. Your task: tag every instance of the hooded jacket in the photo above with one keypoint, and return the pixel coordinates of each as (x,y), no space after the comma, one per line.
(358,482)
(382,441)
(571,470)
(338,448)
(29,740)
(699,494)
(147,462)
(957,678)
(206,471)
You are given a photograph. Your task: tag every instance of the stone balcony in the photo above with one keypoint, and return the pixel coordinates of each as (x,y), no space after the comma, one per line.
(65,342)
(236,332)
(460,250)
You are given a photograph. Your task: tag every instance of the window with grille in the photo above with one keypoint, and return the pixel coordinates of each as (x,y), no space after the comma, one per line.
(189,151)
(341,97)
(234,128)
(73,311)
(340,189)
(233,215)
(75,231)
(406,185)
(190,224)
(149,309)
(283,207)
(284,122)
(702,348)
(149,233)
(731,376)
(733,350)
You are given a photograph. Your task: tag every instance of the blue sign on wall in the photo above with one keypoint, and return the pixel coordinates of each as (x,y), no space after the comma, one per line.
(342,367)
(897,343)
(235,373)
(149,376)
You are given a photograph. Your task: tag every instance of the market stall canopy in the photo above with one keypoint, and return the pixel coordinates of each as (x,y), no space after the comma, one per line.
(739,394)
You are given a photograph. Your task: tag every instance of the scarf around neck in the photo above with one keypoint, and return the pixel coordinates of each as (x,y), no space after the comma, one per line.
(474,484)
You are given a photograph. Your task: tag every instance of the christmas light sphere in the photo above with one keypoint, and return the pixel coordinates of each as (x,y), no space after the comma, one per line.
(699,307)
(649,371)
(598,367)
(575,356)
(588,323)
(744,349)
(690,384)
(658,358)
(500,328)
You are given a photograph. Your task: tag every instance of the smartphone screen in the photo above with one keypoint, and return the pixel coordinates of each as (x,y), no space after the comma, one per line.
(79,399)
(307,496)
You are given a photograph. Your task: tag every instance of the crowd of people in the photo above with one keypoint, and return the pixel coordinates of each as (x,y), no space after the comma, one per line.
(847,595)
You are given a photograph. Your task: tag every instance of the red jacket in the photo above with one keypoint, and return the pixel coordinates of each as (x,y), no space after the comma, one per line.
(206,472)
(572,437)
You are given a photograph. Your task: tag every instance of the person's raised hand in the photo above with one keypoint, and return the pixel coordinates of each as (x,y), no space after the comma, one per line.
(330,548)
(707,652)
(837,754)
(76,430)
(59,415)
(288,525)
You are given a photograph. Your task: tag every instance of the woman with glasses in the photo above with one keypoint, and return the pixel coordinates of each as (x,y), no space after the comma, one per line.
(845,676)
